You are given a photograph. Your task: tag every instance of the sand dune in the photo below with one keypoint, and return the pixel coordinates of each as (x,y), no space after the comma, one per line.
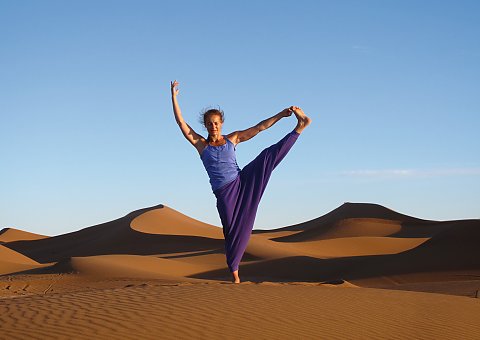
(118,237)
(12,262)
(167,221)
(353,242)
(358,219)
(12,234)
(260,248)
(134,266)
(453,252)
(348,227)
(356,246)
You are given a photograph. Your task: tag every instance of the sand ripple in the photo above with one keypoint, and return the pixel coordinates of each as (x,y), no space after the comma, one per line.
(219,311)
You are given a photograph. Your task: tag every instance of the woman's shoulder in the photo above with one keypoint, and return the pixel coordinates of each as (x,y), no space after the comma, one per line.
(201,145)
(232,138)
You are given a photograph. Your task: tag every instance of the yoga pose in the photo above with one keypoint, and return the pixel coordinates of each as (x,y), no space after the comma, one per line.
(238,191)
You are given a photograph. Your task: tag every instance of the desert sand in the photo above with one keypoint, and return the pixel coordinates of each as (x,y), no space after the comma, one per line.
(361,271)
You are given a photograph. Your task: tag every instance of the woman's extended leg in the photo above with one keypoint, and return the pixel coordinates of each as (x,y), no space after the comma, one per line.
(237,202)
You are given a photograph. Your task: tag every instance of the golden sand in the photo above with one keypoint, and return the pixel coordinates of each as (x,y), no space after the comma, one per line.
(359,272)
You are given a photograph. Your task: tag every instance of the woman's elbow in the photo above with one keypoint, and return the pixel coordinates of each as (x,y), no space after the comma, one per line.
(259,127)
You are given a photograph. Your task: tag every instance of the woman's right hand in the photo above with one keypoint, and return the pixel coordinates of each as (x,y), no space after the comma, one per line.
(287,112)
(174,88)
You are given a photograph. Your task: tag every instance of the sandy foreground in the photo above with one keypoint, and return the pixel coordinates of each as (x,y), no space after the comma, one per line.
(361,271)
(152,310)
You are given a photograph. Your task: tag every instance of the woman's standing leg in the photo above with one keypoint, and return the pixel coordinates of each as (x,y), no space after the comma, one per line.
(238,202)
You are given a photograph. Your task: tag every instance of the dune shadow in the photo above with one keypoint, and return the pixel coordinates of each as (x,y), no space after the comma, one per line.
(198,253)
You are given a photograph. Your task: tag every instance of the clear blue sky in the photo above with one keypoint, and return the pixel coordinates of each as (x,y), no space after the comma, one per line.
(87,132)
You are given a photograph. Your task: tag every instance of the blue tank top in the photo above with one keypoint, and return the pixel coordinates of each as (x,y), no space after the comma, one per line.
(220,163)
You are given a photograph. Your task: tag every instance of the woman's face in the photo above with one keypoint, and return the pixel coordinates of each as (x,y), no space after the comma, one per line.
(213,123)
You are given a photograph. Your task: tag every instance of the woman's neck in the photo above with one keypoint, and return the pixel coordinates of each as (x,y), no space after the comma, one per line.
(215,138)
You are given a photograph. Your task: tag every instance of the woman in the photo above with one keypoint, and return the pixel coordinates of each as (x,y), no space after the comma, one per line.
(238,192)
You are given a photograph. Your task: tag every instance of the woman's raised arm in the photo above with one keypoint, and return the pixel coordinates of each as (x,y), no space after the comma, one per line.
(194,138)
(244,135)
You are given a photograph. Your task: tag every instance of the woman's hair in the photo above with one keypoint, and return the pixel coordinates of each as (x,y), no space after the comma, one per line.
(209,111)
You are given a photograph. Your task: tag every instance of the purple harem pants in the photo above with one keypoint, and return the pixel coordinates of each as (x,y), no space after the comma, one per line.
(237,201)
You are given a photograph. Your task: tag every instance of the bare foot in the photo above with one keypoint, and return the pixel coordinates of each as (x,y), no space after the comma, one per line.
(236,278)
(303,120)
